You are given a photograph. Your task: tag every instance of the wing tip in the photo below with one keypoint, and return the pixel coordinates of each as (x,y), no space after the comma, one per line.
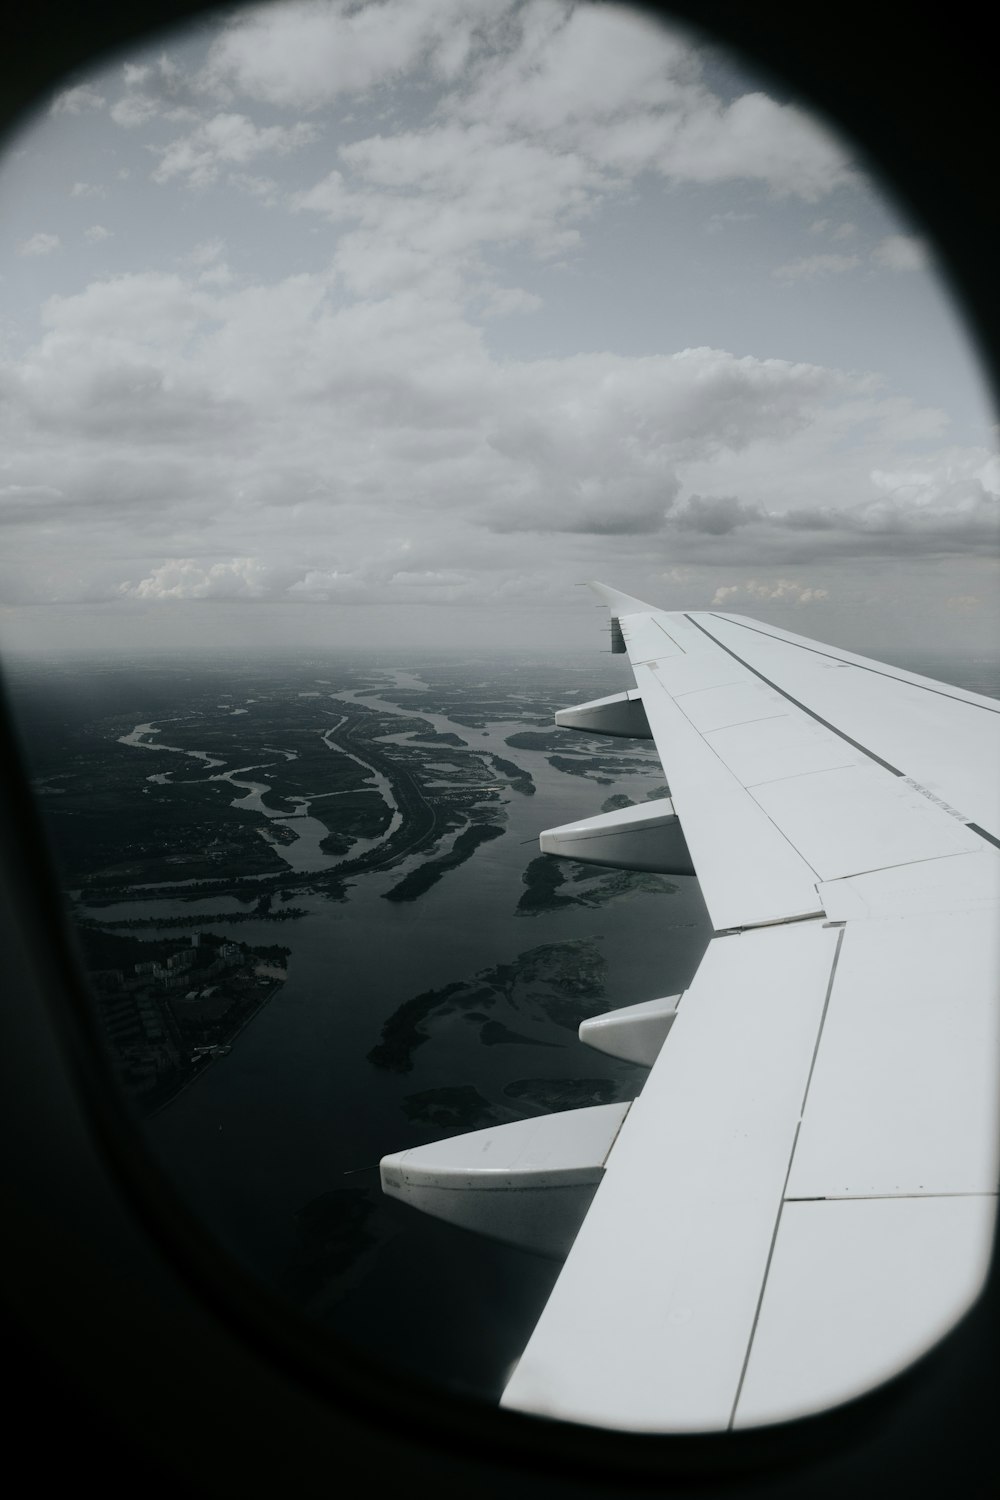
(619,603)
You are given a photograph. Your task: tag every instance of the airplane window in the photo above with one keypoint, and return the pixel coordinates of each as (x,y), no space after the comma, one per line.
(340,343)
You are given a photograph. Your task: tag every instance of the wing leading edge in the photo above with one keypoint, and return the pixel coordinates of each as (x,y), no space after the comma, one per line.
(802,1198)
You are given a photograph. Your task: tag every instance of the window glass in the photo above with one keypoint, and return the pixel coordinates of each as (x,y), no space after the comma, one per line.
(339,344)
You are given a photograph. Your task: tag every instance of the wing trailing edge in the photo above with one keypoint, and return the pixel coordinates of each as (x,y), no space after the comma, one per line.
(802,1198)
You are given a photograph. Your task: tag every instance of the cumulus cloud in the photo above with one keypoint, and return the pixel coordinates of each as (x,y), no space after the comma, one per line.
(87,190)
(558,104)
(264,189)
(351,433)
(313,53)
(223,140)
(901,252)
(503,300)
(427,203)
(186,578)
(842,231)
(541,139)
(544,110)
(261,401)
(206,252)
(208,257)
(74,101)
(811,266)
(96,233)
(954,504)
(325,431)
(949,507)
(153,91)
(39,244)
(628,96)
(719,221)
(366,410)
(785,590)
(134,110)
(757,139)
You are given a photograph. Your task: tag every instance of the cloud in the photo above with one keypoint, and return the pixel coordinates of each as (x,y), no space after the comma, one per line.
(186,578)
(311,54)
(756,139)
(714,516)
(504,300)
(427,204)
(208,256)
(350,433)
(811,266)
(322,431)
(785,590)
(96,233)
(134,110)
(950,507)
(595,444)
(720,221)
(561,110)
(369,583)
(596,94)
(87,190)
(222,140)
(154,91)
(39,244)
(325,432)
(844,231)
(74,101)
(264,189)
(627,95)
(901,252)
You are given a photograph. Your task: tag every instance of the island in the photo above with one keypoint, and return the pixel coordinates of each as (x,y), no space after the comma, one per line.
(432,870)
(558,984)
(547,885)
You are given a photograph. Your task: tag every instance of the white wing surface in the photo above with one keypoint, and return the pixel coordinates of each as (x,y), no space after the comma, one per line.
(802,1198)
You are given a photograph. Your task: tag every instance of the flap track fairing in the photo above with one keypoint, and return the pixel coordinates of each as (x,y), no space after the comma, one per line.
(622,714)
(634,1033)
(528,1183)
(644,837)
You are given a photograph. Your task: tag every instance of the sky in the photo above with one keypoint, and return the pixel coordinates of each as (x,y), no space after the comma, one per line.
(338,324)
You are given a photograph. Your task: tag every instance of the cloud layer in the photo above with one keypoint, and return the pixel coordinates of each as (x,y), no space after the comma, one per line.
(208,429)
(343,440)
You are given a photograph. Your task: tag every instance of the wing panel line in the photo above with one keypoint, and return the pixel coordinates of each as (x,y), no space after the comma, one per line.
(862,666)
(791,1158)
(670,638)
(650,667)
(973,827)
(858,1197)
(785,694)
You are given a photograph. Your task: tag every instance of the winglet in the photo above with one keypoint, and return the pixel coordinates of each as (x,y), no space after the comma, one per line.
(618,603)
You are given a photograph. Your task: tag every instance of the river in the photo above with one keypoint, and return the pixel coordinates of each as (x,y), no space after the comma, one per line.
(296,1110)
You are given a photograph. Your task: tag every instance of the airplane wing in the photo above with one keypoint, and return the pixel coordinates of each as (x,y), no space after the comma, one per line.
(801,1200)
